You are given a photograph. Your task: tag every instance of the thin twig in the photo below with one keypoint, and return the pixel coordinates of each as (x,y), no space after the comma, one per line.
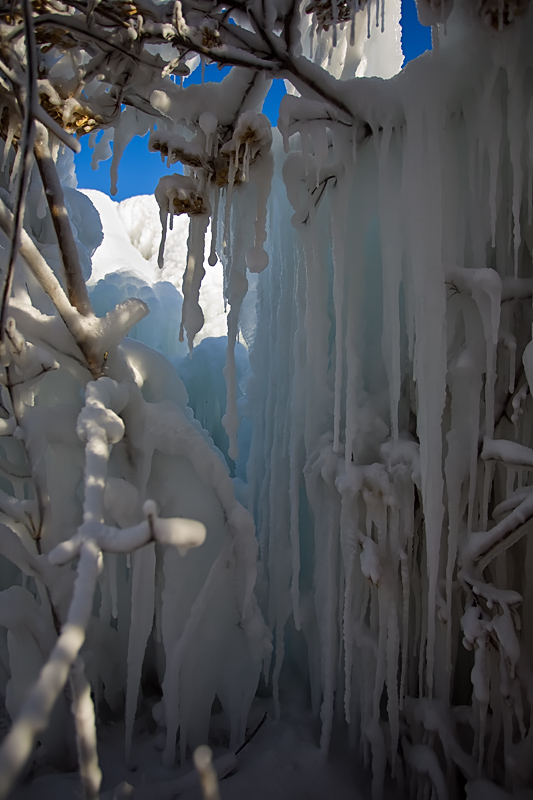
(202,758)
(252,734)
(83,710)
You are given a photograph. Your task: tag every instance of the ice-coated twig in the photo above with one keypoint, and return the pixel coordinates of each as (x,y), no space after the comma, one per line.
(171,684)
(482,544)
(35,712)
(507,452)
(251,735)
(18,510)
(43,274)
(12,548)
(202,758)
(83,710)
(93,335)
(177,532)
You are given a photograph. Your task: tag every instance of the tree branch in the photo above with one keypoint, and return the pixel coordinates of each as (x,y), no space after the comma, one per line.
(25,170)
(37,707)
(76,288)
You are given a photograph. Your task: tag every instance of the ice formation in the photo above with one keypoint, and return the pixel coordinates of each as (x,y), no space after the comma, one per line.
(391,490)
(372,471)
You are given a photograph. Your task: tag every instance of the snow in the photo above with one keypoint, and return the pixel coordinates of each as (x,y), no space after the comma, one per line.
(353,483)
(127,258)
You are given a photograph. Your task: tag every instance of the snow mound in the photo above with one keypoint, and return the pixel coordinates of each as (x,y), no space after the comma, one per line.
(127,262)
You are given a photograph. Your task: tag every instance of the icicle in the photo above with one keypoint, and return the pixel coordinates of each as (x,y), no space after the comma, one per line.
(42,205)
(142,617)
(319,134)
(393,643)
(529,173)
(486,293)
(237,288)
(423,188)
(391,247)
(352,371)
(230,420)
(175,653)
(15,168)
(192,317)
(112,573)
(212,260)
(509,342)
(329,653)
(102,150)
(226,242)
(9,139)
(131,123)
(515,114)
(349,522)
(208,123)
(256,256)
(163,215)
(339,214)
(296,428)
(461,437)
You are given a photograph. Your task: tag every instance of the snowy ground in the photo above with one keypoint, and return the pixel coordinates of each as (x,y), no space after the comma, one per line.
(281,762)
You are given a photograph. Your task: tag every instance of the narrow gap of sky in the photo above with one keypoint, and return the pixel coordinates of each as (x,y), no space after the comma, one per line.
(139,170)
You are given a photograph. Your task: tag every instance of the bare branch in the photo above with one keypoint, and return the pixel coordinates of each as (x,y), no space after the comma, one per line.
(25,169)
(76,288)
(479,544)
(64,137)
(42,273)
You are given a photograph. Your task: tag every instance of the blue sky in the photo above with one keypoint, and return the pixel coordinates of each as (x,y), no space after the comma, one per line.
(139,170)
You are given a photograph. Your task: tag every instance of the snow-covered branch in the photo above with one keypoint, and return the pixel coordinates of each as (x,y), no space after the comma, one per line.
(35,712)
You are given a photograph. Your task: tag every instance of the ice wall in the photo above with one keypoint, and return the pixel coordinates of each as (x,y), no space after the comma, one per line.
(389,468)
